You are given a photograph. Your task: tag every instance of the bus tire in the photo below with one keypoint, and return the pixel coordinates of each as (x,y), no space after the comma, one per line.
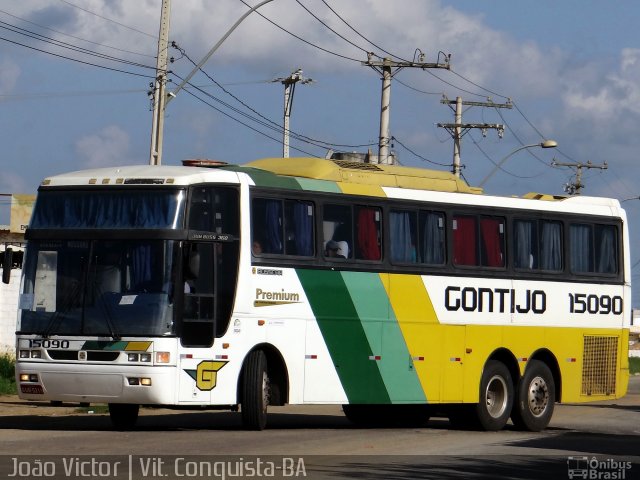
(255,391)
(535,399)
(123,415)
(496,396)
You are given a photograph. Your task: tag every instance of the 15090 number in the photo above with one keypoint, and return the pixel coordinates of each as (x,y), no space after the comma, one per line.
(40,343)
(602,304)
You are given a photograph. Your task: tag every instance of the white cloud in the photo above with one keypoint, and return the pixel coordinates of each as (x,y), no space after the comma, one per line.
(108,147)
(9,75)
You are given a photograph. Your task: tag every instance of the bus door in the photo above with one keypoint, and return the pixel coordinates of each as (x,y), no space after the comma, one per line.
(208,281)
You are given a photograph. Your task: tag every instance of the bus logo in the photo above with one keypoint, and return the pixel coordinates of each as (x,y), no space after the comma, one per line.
(206,375)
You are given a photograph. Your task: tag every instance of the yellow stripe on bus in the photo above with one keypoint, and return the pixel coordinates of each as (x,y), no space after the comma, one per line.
(419,325)
(359,189)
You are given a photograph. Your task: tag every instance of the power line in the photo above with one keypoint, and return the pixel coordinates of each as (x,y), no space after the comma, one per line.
(479,86)
(75,59)
(477,145)
(243,123)
(359,34)
(76,38)
(273,125)
(68,46)
(109,19)
(302,39)
(395,139)
(329,28)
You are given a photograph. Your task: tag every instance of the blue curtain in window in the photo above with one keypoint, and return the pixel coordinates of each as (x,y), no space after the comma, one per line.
(524,255)
(551,246)
(607,251)
(433,240)
(303,224)
(107,210)
(402,250)
(580,236)
(273,213)
(141,262)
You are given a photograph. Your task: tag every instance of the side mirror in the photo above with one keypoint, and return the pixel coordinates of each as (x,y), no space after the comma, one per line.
(7,263)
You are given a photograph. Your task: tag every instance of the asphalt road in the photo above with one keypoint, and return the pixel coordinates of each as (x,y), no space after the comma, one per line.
(600,440)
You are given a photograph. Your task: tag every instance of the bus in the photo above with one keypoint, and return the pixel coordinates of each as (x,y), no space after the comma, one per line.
(399,293)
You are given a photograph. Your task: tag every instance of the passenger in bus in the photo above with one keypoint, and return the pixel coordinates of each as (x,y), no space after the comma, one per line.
(333,250)
(256,247)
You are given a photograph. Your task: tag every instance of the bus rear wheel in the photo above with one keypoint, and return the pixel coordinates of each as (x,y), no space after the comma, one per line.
(536,397)
(256,391)
(123,415)
(496,396)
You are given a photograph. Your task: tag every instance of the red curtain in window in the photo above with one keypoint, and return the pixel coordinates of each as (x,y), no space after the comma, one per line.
(464,241)
(490,228)
(368,246)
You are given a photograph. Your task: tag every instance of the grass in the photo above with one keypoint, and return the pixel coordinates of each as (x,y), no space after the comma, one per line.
(634,365)
(7,374)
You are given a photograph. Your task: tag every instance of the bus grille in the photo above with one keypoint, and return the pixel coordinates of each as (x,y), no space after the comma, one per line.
(599,365)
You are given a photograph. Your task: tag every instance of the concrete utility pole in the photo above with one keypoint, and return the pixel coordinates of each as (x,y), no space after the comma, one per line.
(289,89)
(385,68)
(458,129)
(159,97)
(575,187)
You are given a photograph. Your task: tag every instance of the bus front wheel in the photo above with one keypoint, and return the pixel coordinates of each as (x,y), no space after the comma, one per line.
(123,415)
(255,391)
(536,397)
(496,396)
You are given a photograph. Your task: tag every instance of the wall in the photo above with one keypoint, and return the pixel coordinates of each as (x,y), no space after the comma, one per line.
(9,311)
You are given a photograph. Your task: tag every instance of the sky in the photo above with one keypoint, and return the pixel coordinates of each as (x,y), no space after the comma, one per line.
(75,76)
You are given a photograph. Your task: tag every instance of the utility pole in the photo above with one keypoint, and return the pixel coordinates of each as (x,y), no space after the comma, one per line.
(289,89)
(459,129)
(575,187)
(159,97)
(385,68)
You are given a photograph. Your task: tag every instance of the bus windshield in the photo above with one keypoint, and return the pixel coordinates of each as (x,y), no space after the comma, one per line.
(101,209)
(98,287)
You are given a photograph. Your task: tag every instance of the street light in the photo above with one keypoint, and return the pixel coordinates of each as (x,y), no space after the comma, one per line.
(160,99)
(544,144)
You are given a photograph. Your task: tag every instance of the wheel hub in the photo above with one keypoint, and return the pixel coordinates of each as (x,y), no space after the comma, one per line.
(496,396)
(538,396)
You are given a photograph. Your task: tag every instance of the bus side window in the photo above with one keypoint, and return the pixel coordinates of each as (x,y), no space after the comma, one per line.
(298,223)
(402,233)
(594,248)
(431,233)
(464,240)
(368,233)
(492,242)
(337,225)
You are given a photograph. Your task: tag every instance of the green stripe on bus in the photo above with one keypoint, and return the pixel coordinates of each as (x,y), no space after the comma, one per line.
(319,185)
(384,335)
(344,335)
(263,178)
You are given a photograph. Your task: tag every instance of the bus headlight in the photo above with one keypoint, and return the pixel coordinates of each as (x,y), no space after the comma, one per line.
(132,357)
(25,353)
(145,357)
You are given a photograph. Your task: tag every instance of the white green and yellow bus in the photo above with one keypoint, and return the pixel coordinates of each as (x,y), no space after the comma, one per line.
(399,293)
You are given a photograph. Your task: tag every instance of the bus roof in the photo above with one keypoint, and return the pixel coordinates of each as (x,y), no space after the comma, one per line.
(365,173)
(325,175)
